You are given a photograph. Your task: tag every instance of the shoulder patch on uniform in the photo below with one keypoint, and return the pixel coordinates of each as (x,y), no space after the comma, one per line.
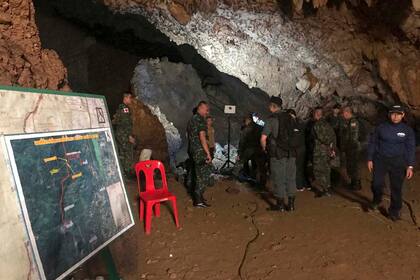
(401,134)
(125,110)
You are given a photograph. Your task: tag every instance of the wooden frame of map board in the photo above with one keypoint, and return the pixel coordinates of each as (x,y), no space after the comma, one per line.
(87,144)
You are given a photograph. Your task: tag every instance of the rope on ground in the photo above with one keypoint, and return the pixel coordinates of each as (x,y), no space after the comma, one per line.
(257,234)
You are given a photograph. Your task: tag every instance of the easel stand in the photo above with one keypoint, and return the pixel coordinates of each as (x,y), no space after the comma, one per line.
(110,265)
(228,161)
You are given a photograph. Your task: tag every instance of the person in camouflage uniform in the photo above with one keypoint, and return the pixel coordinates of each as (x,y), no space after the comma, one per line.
(350,146)
(199,152)
(123,133)
(324,150)
(335,118)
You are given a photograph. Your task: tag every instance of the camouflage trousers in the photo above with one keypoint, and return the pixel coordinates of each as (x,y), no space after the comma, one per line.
(349,161)
(322,170)
(125,154)
(202,172)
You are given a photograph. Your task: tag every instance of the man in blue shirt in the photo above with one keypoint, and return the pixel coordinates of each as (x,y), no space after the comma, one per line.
(392,151)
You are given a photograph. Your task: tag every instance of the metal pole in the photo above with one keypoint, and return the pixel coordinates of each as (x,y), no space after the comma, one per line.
(110,265)
(228,158)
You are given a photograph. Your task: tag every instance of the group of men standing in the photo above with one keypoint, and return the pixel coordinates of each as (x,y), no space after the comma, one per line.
(300,155)
(303,155)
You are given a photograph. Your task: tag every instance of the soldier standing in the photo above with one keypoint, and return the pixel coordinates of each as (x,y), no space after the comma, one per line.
(210,136)
(350,147)
(123,132)
(282,155)
(324,150)
(301,181)
(199,152)
(391,150)
(335,119)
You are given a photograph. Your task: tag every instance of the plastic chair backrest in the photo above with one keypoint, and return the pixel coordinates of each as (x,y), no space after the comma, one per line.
(148,168)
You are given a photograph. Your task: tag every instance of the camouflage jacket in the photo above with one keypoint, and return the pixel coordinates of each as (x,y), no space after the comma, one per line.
(324,137)
(196,124)
(123,123)
(335,122)
(349,134)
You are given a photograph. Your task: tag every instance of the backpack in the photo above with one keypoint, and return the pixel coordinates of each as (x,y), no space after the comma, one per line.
(288,134)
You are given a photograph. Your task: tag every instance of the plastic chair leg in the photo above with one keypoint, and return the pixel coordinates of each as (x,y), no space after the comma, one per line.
(148,220)
(141,214)
(175,211)
(157,209)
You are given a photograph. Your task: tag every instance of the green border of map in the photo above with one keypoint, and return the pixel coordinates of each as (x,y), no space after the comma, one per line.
(85,95)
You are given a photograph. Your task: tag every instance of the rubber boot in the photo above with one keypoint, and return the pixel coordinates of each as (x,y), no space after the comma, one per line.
(279,205)
(291,204)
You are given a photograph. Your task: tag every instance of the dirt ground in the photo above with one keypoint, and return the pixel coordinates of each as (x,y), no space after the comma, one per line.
(237,238)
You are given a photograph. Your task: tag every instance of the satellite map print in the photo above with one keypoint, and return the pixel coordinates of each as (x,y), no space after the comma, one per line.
(71,194)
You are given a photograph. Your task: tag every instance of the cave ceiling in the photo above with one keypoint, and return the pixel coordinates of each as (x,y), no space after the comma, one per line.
(358,49)
(310,52)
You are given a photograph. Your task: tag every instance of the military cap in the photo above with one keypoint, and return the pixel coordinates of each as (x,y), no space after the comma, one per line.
(397,108)
(276,100)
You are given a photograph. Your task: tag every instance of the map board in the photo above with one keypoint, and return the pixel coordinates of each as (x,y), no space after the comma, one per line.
(62,181)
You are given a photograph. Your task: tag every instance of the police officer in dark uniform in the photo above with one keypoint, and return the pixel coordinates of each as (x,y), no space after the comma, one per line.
(301,181)
(249,149)
(391,151)
(282,159)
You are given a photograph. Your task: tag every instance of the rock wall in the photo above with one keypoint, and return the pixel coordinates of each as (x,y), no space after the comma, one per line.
(96,67)
(171,90)
(22,60)
(256,42)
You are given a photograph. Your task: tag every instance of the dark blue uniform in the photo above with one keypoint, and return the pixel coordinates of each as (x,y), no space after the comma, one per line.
(392,150)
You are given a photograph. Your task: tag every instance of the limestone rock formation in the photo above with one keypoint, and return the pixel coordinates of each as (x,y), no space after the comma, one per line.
(22,60)
(171,90)
(24,63)
(257,43)
(149,132)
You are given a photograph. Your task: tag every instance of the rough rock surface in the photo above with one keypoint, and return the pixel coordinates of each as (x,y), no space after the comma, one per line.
(173,89)
(84,58)
(257,43)
(22,60)
(149,132)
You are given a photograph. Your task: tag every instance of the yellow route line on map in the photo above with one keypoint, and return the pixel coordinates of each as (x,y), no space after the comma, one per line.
(77,175)
(50,159)
(62,139)
(54,171)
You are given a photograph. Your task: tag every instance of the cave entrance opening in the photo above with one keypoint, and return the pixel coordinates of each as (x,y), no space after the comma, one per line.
(102,51)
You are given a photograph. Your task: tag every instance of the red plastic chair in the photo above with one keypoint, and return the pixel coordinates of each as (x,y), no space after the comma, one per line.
(152,197)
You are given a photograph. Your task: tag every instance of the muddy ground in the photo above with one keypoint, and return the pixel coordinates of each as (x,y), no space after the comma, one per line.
(237,238)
